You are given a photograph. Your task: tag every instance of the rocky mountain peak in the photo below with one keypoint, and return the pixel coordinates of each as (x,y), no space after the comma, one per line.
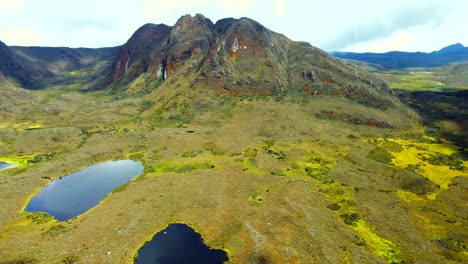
(186,22)
(240,56)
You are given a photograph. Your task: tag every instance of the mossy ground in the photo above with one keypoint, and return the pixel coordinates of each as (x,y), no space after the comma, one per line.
(264,177)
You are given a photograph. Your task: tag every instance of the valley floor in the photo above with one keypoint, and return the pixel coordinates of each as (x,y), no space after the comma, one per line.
(288,180)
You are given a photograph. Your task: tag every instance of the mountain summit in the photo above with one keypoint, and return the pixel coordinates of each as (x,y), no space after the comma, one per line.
(234,56)
(458,47)
(239,57)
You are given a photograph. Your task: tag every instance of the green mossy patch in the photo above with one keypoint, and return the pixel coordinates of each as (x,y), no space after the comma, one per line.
(56,230)
(454,161)
(319,174)
(169,167)
(192,153)
(211,146)
(359,241)
(137,156)
(41,157)
(39,217)
(256,198)
(267,147)
(453,244)
(334,207)
(350,219)
(380,154)
(21,260)
(70,259)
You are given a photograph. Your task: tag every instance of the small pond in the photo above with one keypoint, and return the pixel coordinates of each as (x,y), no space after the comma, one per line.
(178,244)
(78,192)
(5,165)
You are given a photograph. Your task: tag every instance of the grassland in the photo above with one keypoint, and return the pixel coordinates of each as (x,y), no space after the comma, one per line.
(271,179)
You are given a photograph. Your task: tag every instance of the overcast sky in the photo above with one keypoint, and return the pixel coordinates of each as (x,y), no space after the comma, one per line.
(357,25)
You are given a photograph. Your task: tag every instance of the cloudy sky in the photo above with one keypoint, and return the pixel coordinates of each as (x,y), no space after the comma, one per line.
(358,25)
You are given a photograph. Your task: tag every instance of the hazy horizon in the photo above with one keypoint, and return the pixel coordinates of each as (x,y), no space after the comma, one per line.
(356,26)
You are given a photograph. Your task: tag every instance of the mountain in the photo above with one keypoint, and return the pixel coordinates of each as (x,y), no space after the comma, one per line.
(454,48)
(133,58)
(240,57)
(235,56)
(40,67)
(398,59)
(9,65)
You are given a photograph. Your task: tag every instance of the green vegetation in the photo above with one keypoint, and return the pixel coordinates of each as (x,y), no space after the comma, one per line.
(381,154)
(41,157)
(319,174)
(334,207)
(39,217)
(170,167)
(256,198)
(210,146)
(452,243)
(70,259)
(56,230)
(192,153)
(309,150)
(23,260)
(454,161)
(350,219)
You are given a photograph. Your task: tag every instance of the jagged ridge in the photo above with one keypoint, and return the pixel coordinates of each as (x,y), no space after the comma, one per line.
(241,57)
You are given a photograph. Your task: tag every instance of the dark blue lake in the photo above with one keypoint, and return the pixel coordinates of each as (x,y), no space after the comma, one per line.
(179,244)
(5,165)
(78,192)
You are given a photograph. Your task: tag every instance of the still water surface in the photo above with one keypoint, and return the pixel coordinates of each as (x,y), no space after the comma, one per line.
(78,192)
(179,244)
(5,165)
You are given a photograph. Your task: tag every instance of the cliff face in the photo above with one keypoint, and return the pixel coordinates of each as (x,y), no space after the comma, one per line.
(240,56)
(233,56)
(134,57)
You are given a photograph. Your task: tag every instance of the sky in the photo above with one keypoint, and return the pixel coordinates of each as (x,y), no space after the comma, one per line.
(332,25)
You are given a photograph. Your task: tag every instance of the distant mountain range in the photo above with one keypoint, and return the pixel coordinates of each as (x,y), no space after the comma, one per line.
(399,59)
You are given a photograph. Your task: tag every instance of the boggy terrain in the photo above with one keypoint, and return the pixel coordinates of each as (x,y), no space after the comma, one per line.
(285,176)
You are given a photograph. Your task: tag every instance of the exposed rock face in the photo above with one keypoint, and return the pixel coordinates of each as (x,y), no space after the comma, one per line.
(234,56)
(134,57)
(240,56)
(189,42)
(160,49)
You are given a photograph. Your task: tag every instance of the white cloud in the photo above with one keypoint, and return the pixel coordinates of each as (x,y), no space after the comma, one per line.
(7,5)
(280,8)
(242,8)
(21,36)
(357,25)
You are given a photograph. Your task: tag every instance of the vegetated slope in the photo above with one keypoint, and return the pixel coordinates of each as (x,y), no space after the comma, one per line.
(40,67)
(9,65)
(134,57)
(398,59)
(240,57)
(234,56)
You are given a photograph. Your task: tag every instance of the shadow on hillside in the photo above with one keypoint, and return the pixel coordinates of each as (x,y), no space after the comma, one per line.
(445,113)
